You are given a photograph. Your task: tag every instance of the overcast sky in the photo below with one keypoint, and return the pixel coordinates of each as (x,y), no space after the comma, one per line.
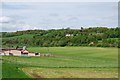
(56,15)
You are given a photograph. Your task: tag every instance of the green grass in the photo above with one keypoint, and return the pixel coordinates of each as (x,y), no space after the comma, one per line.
(12,70)
(115,39)
(71,72)
(21,36)
(81,56)
(69,58)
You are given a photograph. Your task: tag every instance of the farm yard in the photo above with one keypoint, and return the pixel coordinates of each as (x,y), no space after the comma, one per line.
(49,40)
(67,62)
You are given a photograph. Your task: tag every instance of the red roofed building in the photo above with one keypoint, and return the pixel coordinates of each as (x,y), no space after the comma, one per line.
(24,52)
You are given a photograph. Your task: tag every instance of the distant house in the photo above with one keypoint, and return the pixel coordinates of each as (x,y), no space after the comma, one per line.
(16,52)
(11,51)
(67,35)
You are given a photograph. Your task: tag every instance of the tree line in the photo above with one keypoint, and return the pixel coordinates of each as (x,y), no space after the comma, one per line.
(97,36)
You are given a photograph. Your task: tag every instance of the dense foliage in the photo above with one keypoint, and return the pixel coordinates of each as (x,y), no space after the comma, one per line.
(98,36)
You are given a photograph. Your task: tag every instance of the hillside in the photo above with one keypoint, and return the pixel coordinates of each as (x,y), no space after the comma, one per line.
(98,36)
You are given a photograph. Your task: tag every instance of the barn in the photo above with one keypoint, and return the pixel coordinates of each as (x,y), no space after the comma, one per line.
(10,51)
(13,51)
(16,52)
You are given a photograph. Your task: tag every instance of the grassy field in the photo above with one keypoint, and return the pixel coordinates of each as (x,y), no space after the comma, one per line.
(81,56)
(66,62)
(12,70)
(71,72)
(20,36)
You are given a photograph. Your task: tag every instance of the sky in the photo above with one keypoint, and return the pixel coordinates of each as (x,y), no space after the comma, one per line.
(60,0)
(15,16)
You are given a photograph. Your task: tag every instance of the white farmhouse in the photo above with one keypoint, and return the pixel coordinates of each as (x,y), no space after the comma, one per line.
(67,35)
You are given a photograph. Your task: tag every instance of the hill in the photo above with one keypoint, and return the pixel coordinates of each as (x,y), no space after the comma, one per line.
(98,36)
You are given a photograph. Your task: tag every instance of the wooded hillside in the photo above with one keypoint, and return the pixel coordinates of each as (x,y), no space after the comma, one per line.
(98,36)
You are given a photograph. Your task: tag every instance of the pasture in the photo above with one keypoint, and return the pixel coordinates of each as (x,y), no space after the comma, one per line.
(93,61)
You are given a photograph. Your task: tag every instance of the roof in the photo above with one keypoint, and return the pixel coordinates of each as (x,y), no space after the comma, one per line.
(24,51)
(11,49)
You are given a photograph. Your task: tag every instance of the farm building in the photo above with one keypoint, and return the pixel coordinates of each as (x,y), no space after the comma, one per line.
(10,51)
(16,52)
(19,52)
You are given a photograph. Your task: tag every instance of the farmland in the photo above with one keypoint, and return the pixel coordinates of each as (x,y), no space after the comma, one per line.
(49,40)
(67,62)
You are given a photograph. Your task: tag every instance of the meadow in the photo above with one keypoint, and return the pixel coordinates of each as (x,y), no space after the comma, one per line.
(66,62)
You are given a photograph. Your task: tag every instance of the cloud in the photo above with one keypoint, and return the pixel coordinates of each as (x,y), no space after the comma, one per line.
(27,27)
(72,18)
(5,19)
(16,27)
(14,5)
(12,24)
(54,14)
(9,28)
(23,16)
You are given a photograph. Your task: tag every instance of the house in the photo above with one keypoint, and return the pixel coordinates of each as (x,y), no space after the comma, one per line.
(16,52)
(67,35)
(11,51)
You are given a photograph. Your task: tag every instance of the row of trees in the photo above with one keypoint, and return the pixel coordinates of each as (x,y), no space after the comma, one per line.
(99,36)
